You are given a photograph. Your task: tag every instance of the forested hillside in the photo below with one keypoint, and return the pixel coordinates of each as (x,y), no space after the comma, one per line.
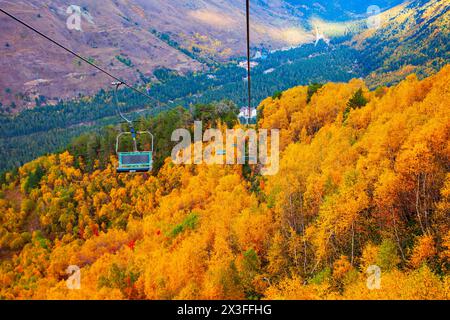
(54,126)
(364,180)
(413,38)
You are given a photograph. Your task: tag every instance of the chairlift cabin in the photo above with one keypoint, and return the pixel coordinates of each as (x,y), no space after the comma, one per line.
(136,160)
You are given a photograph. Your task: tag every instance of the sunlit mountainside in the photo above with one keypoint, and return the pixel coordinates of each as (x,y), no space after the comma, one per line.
(414,39)
(364,180)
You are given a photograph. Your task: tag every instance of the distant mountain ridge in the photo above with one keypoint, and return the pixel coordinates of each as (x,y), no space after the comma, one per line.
(133,38)
(130,38)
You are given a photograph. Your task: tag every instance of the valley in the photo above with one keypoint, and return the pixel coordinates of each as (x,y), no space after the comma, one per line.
(134,38)
(302,65)
(381,57)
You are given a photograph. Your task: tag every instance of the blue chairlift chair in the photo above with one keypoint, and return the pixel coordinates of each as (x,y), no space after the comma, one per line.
(137,160)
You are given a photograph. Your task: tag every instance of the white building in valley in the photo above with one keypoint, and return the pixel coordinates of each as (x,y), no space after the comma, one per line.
(244,115)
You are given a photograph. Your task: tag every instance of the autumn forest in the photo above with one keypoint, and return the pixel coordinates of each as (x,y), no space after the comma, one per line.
(364,181)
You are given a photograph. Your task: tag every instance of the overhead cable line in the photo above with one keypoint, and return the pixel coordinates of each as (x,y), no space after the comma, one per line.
(249,82)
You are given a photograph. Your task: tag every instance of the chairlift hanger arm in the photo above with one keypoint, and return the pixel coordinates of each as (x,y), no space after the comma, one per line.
(116,88)
(152,138)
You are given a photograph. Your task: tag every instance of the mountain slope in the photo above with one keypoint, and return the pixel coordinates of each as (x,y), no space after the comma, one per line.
(142,33)
(362,182)
(132,38)
(413,38)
